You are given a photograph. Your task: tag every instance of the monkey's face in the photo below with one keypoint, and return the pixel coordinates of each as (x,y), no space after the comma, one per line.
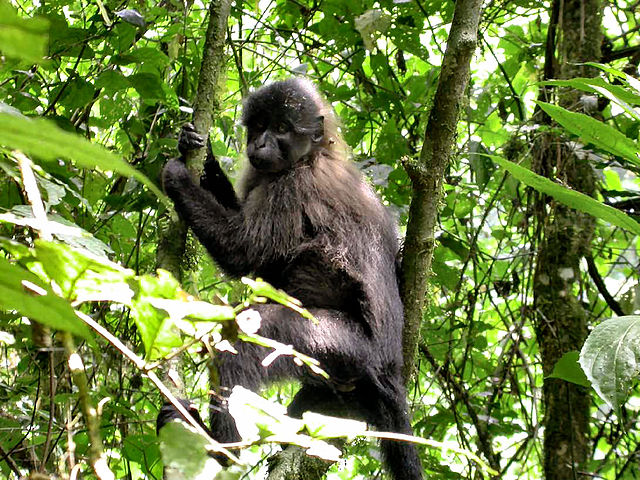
(275,143)
(285,125)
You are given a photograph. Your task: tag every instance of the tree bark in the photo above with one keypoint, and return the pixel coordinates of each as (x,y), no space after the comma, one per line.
(293,463)
(427,173)
(560,320)
(172,238)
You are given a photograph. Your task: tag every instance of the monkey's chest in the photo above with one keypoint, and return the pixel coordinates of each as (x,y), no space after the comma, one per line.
(312,278)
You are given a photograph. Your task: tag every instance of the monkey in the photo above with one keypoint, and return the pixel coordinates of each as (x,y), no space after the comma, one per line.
(306,221)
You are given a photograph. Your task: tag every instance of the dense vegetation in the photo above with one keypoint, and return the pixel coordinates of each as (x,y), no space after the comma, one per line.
(536,238)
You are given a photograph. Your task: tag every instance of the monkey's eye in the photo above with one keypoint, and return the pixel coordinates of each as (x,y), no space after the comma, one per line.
(282,128)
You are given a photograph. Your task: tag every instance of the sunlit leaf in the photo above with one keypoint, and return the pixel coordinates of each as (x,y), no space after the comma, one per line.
(611,358)
(24,292)
(569,197)
(44,140)
(184,450)
(21,38)
(595,132)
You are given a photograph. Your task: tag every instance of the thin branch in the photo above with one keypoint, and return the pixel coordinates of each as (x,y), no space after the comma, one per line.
(602,288)
(143,367)
(97,457)
(462,396)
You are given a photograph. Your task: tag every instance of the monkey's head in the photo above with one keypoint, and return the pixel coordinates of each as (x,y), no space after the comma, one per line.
(286,124)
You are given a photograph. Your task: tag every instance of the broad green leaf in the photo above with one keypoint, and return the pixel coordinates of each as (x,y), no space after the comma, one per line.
(594,132)
(44,140)
(25,39)
(568,369)
(143,450)
(259,418)
(590,84)
(611,358)
(83,277)
(24,292)
(184,451)
(155,327)
(194,309)
(61,229)
(148,85)
(571,198)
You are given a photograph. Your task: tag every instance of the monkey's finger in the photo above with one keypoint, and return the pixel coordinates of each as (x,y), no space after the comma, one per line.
(189,141)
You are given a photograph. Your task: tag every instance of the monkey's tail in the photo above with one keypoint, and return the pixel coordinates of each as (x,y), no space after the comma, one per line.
(401,458)
(390,415)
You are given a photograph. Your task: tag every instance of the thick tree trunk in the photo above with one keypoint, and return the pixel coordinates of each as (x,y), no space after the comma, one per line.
(561,322)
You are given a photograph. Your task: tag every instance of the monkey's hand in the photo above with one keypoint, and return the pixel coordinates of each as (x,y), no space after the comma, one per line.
(176,178)
(168,413)
(189,139)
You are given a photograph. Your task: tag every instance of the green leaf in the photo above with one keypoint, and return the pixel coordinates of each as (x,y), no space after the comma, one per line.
(25,39)
(154,326)
(594,132)
(590,84)
(184,450)
(263,289)
(324,426)
(143,450)
(83,277)
(44,140)
(22,291)
(568,369)
(194,309)
(61,229)
(611,357)
(148,85)
(571,198)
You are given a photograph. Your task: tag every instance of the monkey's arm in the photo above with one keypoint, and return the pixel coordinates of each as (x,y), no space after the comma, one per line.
(217,227)
(213,178)
(215,181)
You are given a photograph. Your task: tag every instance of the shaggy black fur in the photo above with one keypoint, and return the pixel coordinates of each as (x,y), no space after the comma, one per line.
(306,222)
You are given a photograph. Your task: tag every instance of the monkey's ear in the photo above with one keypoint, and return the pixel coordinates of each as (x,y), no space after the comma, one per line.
(318,129)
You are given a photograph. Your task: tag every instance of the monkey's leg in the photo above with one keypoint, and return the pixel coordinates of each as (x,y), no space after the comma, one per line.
(244,369)
(335,341)
(349,357)
(319,398)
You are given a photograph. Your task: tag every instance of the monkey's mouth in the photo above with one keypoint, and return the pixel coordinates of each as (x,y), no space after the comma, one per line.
(267,164)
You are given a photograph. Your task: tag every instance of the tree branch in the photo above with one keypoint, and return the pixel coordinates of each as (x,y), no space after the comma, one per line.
(602,288)
(427,173)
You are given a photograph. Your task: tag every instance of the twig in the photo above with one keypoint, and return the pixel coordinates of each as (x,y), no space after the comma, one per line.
(96,454)
(143,367)
(602,288)
(4,455)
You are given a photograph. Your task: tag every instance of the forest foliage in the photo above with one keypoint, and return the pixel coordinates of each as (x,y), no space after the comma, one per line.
(92,96)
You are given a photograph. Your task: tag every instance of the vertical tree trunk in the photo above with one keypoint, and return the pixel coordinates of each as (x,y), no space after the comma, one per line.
(172,238)
(427,173)
(561,322)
